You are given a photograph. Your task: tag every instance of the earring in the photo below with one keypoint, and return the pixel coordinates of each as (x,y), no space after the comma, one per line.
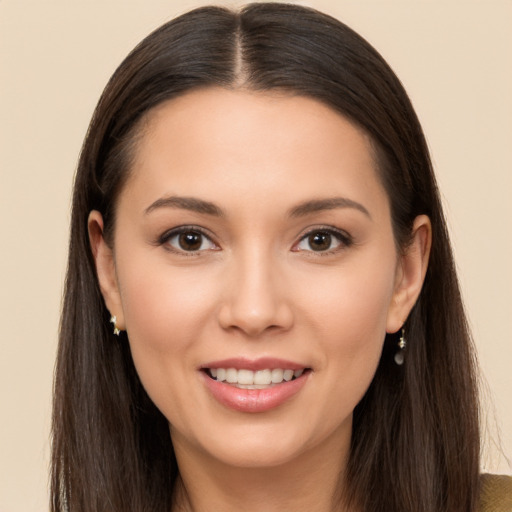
(113,320)
(399,356)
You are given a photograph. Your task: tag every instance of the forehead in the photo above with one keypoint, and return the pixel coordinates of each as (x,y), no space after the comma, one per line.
(223,117)
(248,143)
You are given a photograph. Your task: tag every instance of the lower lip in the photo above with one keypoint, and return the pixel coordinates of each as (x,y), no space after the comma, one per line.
(254,400)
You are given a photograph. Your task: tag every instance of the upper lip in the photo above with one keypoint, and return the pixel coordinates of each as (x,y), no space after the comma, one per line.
(262,363)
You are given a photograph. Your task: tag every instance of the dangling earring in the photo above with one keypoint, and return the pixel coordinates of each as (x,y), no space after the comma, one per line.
(113,320)
(399,356)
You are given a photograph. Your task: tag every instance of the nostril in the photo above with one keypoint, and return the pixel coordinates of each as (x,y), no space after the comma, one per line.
(254,322)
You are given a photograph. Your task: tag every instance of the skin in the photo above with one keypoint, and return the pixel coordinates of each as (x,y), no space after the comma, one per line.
(257,287)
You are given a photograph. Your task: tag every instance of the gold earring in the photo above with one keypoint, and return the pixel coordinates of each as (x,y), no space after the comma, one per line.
(113,320)
(402,343)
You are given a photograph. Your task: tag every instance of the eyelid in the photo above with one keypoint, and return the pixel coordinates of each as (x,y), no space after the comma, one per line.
(178,230)
(342,236)
(345,239)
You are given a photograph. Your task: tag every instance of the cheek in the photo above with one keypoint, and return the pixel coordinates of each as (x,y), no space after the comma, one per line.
(165,313)
(352,304)
(349,309)
(161,304)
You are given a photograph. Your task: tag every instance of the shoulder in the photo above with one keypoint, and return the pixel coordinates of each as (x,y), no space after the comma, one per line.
(495,493)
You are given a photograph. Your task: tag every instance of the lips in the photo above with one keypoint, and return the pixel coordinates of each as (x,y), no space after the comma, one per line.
(254,385)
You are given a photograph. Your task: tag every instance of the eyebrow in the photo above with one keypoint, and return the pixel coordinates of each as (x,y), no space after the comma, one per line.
(206,207)
(185,203)
(318,205)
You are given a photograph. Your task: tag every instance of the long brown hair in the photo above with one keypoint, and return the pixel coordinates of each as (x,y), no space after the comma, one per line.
(415,442)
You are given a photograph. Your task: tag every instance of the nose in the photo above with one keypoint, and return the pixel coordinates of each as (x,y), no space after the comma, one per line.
(255,299)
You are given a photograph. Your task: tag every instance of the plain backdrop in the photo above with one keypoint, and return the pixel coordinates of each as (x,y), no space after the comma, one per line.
(454,58)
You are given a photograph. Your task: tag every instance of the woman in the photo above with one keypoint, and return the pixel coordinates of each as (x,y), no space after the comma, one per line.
(261,308)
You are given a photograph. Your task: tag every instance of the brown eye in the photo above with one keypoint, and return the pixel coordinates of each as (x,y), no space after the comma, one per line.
(320,241)
(188,241)
(323,241)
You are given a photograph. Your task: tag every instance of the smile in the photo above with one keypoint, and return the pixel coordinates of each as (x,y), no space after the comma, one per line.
(249,379)
(254,386)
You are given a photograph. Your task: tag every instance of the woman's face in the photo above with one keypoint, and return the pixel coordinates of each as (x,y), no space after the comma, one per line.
(253,242)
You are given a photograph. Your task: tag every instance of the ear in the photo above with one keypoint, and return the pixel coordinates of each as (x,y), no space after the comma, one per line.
(411,271)
(105,267)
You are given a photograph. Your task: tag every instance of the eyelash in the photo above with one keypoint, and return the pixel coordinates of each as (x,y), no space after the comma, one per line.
(175,232)
(344,239)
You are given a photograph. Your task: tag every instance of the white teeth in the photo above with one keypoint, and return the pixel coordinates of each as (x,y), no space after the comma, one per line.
(231,376)
(277,375)
(260,379)
(245,377)
(263,377)
(251,386)
(288,375)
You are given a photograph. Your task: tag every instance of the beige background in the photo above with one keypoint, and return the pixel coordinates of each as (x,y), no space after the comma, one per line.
(454,58)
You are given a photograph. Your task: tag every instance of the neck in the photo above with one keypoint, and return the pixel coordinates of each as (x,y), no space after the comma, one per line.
(311,481)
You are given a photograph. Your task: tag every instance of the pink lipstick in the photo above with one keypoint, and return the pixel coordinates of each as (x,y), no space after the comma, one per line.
(254,385)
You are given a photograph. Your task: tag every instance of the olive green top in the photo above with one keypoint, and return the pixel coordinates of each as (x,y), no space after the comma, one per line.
(496,493)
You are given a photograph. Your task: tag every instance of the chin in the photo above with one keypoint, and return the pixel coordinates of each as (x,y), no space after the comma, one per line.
(257,455)
(258,445)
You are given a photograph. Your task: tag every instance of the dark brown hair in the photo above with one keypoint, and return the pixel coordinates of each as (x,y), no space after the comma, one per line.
(415,442)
